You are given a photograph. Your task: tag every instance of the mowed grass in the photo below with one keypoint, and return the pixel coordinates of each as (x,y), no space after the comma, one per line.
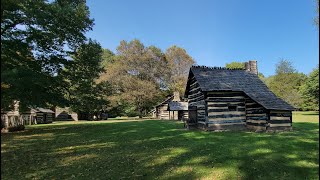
(154,149)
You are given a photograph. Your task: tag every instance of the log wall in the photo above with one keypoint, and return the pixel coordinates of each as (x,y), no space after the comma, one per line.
(162,112)
(225,110)
(280,120)
(44,117)
(196,99)
(256,115)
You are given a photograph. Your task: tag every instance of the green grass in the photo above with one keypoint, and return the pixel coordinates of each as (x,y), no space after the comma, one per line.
(154,149)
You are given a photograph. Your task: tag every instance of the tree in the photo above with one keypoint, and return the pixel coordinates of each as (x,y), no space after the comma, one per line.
(136,74)
(36,39)
(179,63)
(286,83)
(310,90)
(84,94)
(241,65)
(107,58)
(285,67)
(235,65)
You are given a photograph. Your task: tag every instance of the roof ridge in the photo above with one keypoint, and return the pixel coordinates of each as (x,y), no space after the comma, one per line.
(215,67)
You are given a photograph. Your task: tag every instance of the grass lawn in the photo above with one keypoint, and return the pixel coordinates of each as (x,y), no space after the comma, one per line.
(154,149)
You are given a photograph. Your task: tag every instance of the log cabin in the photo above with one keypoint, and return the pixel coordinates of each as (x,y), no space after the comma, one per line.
(233,99)
(171,108)
(43,116)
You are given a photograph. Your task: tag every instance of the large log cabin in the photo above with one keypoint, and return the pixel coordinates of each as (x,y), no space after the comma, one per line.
(226,99)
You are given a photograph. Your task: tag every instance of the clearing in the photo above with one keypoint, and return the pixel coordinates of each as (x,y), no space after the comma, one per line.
(155,149)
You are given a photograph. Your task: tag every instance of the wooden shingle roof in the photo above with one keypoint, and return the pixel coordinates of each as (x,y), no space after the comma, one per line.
(177,106)
(222,79)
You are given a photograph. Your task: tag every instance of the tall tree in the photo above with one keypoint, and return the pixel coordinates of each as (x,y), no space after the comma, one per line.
(179,62)
(310,90)
(285,67)
(136,75)
(286,83)
(36,38)
(84,94)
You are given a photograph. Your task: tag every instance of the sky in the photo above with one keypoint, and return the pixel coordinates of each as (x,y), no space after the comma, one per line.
(215,32)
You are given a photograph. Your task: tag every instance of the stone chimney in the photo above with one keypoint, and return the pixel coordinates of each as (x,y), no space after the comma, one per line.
(176,96)
(251,67)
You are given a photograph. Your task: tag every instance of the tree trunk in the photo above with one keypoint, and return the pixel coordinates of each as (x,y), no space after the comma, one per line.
(140,114)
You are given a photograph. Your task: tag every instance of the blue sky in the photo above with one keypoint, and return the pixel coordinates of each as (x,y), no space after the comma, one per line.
(215,32)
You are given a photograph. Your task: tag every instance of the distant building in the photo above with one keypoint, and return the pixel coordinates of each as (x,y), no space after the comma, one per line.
(171,108)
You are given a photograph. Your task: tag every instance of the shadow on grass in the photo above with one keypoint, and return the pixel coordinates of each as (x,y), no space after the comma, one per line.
(152,149)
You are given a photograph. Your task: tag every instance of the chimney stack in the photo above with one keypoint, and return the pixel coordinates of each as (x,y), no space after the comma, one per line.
(251,67)
(176,96)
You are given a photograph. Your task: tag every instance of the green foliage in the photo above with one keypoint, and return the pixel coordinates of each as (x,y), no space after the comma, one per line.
(36,38)
(310,91)
(179,63)
(83,93)
(107,58)
(136,74)
(235,65)
(152,149)
(286,83)
(284,67)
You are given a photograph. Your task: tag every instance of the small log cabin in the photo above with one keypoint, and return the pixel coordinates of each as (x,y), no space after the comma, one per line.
(172,108)
(226,99)
(43,116)
(180,107)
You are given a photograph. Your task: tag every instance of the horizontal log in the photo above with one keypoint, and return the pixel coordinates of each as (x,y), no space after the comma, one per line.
(224,100)
(232,118)
(226,110)
(255,124)
(225,121)
(256,121)
(279,121)
(279,118)
(256,111)
(257,118)
(222,107)
(248,115)
(228,124)
(227,113)
(226,116)
(224,104)
(279,125)
(248,104)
